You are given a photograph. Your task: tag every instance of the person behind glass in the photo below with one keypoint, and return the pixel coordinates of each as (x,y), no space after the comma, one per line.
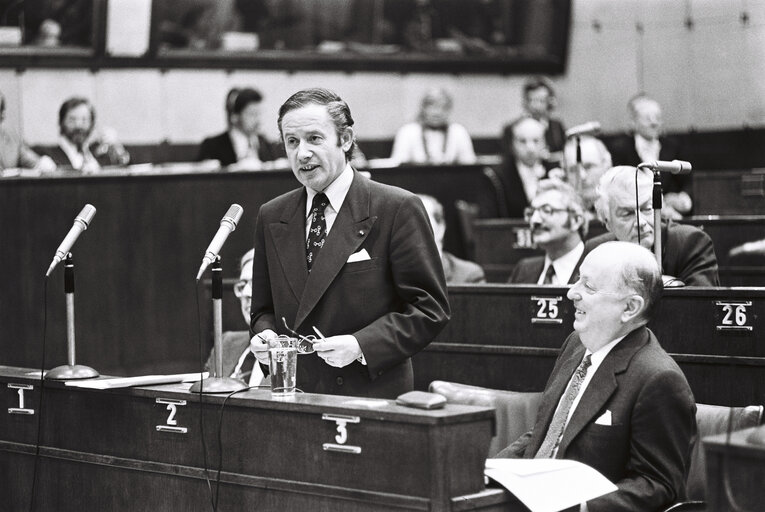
(242,145)
(616,400)
(14,152)
(345,256)
(433,139)
(80,146)
(688,255)
(523,163)
(646,143)
(538,103)
(456,270)
(585,176)
(558,226)
(238,360)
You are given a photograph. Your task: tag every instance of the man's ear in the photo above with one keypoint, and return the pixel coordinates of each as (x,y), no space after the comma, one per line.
(633,307)
(346,138)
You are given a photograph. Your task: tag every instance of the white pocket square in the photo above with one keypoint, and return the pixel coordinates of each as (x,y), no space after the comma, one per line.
(605,419)
(362,255)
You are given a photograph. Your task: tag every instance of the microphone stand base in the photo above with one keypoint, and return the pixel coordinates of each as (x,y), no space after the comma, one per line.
(218,385)
(71,372)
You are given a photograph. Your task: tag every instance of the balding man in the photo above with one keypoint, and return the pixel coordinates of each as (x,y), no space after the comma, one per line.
(688,256)
(585,175)
(616,400)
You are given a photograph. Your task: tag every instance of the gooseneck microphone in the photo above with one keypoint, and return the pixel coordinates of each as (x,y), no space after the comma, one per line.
(674,166)
(81,223)
(590,128)
(227,226)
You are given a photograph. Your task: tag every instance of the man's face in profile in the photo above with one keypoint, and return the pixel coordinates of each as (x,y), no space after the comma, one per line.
(77,125)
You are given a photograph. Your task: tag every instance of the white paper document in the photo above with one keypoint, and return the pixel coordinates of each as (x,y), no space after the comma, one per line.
(548,485)
(141,380)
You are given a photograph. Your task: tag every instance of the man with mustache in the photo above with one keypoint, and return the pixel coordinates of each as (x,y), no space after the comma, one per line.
(558,226)
(688,256)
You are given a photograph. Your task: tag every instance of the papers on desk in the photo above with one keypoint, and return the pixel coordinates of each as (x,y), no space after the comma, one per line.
(548,485)
(141,380)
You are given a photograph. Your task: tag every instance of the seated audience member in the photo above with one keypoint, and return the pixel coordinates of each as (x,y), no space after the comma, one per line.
(238,360)
(616,400)
(557,224)
(456,270)
(80,146)
(242,146)
(538,103)
(433,139)
(585,176)
(688,256)
(14,153)
(523,163)
(646,143)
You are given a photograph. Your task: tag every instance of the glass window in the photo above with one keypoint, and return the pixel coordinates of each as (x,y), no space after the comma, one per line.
(47,23)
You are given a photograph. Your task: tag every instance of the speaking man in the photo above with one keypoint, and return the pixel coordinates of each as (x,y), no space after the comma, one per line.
(347,257)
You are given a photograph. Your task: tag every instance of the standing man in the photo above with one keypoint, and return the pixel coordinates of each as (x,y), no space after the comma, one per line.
(557,224)
(349,257)
(616,400)
(688,255)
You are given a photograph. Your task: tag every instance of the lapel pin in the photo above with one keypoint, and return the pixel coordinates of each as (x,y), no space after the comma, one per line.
(361,232)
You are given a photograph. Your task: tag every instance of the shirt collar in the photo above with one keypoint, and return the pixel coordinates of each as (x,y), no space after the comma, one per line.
(564,266)
(335,192)
(599,355)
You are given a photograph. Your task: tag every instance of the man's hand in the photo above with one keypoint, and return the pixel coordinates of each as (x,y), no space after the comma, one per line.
(671,281)
(259,345)
(338,351)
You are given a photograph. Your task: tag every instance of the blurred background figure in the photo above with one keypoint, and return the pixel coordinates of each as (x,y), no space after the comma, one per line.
(80,146)
(238,361)
(433,139)
(539,102)
(645,143)
(14,153)
(584,176)
(242,145)
(456,270)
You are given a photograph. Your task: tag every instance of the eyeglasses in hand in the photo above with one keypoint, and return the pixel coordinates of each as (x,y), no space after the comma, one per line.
(305,343)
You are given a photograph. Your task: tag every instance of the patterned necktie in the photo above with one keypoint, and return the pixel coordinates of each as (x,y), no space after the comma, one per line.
(318,230)
(558,423)
(549,275)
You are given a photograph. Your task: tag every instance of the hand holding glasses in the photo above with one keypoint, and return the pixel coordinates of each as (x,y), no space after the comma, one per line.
(305,343)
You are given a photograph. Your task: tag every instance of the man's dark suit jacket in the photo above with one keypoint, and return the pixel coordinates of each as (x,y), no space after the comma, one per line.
(623,152)
(515,195)
(687,254)
(459,271)
(394,303)
(233,344)
(555,135)
(646,449)
(528,270)
(221,148)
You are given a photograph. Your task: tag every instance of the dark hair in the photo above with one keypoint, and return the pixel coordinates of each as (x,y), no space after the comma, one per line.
(73,103)
(230,99)
(337,108)
(536,82)
(244,97)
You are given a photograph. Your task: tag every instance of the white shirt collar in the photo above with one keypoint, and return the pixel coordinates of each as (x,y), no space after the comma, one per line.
(564,266)
(647,150)
(76,158)
(599,355)
(335,192)
(241,143)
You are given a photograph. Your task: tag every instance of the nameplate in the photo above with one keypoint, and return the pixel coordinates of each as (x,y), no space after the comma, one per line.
(546,310)
(21,409)
(734,317)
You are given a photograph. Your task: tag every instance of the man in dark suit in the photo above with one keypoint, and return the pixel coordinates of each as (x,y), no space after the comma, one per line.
(345,256)
(646,143)
(616,400)
(688,255)
(242,146)
(539,103)
(557,224)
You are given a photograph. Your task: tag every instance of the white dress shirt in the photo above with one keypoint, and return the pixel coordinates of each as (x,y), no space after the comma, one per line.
(80,160)
(647,150)
(564,266)
(335,192)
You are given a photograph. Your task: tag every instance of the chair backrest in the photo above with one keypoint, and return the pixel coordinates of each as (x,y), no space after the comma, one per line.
(466,214)
(712,420)
(516,411)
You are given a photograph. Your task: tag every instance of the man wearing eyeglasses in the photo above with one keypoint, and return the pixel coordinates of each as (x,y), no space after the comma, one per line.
(558,226)
(688,255)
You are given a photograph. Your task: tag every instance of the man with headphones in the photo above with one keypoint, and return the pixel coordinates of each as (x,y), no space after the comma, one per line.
(539,102)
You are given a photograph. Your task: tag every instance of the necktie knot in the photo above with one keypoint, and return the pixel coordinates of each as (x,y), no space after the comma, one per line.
(320,203)
(549,275)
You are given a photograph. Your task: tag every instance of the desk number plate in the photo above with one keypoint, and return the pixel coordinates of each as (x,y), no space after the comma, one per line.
(546,310)
(341,438)
(734,316)
(21,409)
(171,423)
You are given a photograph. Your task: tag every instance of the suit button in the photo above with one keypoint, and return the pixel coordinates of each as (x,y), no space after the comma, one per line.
(379,373)
(339,381)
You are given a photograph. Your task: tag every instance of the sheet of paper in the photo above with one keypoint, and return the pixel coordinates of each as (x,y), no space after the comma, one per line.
(141,380)
(548,485)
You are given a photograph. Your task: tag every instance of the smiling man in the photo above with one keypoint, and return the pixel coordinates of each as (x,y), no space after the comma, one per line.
(557,223)
(616,400)
(352,258)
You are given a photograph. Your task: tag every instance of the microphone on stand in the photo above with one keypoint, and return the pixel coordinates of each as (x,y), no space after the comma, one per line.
(674,166)
(583,129)
(81,223)
(227,226)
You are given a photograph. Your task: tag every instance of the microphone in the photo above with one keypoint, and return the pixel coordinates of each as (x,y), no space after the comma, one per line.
(227,226)
(583,129)
(674,167)
(81,223)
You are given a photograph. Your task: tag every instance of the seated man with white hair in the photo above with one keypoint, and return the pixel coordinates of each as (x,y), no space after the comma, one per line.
(688,256)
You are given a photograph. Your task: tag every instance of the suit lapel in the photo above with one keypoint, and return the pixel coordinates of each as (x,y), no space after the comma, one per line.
(289,240)
(350,229)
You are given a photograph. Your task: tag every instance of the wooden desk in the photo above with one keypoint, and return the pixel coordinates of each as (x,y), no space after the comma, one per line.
(739,464)
(139,449)
(729,192)
(508,336)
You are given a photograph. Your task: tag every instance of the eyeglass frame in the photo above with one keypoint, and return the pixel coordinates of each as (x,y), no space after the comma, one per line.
(529,211)
(240,285)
